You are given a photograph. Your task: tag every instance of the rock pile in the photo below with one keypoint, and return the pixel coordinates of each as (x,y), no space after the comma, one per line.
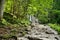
(36,32)
(41,32)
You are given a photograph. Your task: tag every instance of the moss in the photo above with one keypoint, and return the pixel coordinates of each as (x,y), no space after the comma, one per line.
(6,36)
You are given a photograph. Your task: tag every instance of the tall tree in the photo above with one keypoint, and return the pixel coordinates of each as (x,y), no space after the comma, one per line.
(1,8)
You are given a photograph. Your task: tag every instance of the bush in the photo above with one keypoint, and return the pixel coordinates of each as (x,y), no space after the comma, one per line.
(54,16)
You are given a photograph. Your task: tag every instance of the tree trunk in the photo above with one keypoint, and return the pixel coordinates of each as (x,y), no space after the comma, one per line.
(1,8)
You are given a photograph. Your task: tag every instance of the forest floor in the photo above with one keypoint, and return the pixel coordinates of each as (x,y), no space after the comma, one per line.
(40,32)
(34,32)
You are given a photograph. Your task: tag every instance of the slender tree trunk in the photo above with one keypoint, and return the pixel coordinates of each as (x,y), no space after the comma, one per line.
(1,8)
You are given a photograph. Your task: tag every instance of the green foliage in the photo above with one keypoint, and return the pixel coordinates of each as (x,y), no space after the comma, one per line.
(15,12)
(8,6)
(17,9)
(43,8)
(56,4)
(55,16)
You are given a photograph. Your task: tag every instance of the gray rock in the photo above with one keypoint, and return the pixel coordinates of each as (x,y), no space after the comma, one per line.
(22,38)
(41,32)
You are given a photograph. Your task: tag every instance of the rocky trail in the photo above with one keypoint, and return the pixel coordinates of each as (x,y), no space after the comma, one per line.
(40,32)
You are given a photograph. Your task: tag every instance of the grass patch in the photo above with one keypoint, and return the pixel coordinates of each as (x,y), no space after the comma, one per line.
(55,27)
